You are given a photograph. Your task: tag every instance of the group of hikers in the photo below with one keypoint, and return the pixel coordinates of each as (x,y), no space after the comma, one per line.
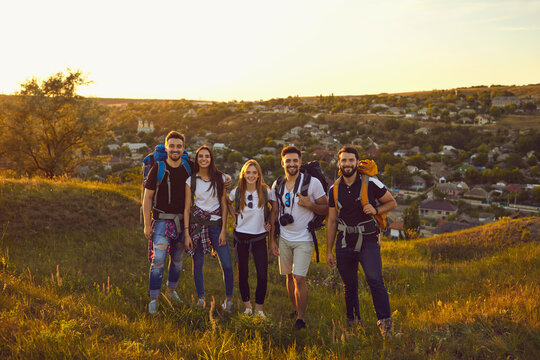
(185,208)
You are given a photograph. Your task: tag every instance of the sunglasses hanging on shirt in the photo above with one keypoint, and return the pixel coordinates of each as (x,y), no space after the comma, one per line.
(250,199)
(288,199)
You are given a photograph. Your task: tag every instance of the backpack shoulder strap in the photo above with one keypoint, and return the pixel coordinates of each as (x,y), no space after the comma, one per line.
(364,190)
(161,171)
(337,204)
(237,200)
(266,210)
(185,162)
(305,184)
(193,186)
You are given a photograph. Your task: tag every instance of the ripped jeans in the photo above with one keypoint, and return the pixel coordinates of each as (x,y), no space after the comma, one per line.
(161,244)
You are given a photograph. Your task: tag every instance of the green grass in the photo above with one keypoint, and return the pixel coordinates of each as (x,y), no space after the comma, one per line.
(74,283)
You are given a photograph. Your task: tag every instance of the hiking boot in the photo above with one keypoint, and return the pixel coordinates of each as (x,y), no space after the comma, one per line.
(227,305)
(201,302)
(300,324)
(153,307)
(260,313)
(173,297)
(248,311)
(385,325)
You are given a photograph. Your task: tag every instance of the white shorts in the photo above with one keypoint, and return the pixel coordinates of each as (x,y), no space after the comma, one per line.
(294,257)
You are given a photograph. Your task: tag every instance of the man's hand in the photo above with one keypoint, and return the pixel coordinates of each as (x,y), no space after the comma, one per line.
(228,182)
(274,247)
(148,232)
(304,200)
(330,259)
(369,210)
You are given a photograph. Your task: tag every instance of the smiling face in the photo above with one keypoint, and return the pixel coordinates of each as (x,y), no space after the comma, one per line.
(203,158)
(174,148)
(347,164)
(291,163)
(251,175)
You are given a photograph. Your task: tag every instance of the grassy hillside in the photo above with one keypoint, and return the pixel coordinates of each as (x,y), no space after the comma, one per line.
(73,284)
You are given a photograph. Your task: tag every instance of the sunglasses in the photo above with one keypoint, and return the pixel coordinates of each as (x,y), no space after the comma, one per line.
(287,199)
(250,199)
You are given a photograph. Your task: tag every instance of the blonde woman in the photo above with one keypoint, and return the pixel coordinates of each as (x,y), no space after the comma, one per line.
(249,204)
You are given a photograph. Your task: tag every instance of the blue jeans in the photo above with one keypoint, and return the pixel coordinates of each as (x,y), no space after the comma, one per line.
(161,244)
(224,260)
(370,259)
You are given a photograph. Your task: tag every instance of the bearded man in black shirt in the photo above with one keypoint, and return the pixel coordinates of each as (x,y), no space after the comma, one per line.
(358,237)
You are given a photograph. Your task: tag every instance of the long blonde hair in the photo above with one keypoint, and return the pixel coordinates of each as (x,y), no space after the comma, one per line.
(242,184)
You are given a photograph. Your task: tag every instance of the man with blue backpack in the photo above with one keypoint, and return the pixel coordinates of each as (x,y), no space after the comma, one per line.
(163,208)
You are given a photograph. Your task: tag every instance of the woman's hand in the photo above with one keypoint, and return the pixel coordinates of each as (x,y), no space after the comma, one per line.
(267,227)
(188,243)
(222,238)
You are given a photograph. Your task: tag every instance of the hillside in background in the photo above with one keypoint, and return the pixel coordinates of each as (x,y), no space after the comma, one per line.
(73,284)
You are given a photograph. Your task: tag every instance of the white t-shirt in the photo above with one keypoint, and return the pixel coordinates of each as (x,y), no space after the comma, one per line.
(251,220)
(205,197)
(298,231)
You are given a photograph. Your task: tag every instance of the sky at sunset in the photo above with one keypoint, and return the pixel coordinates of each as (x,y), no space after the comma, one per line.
(250,50)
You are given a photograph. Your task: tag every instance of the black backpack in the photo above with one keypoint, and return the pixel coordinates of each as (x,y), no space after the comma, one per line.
(311,169)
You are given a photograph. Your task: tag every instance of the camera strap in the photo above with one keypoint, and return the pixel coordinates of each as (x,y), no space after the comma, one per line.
(295,190)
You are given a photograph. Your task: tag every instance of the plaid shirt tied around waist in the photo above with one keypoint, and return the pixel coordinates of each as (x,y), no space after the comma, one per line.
(199,232)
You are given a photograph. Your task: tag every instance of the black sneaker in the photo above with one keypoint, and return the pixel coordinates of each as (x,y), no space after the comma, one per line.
(300,324)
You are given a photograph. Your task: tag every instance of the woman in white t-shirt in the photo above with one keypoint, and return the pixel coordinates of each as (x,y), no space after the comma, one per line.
(207,226)
(249,204)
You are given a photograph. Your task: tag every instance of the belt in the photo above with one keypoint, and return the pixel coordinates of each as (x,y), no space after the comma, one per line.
(364,228)
(175,217)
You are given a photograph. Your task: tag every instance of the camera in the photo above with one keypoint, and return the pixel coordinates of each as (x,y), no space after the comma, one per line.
(286,219)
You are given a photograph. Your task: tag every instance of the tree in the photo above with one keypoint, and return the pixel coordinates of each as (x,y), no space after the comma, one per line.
(411,220)
(48,129)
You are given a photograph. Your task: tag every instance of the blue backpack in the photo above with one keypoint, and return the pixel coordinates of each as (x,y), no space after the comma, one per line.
(159,155)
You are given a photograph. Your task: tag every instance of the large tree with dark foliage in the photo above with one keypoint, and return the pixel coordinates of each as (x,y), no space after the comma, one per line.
(47,129)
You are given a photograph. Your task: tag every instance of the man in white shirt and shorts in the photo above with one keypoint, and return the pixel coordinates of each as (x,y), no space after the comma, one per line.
(293,212)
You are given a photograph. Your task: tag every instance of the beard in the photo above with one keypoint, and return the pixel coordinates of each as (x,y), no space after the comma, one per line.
(175,156)
(292,170)
(347,171)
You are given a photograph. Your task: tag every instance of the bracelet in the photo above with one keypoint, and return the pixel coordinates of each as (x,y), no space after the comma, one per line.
(376,211)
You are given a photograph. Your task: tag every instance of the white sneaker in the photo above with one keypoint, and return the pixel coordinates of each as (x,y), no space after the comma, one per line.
(227,305)
(173,296)
(248,311)
(260,313)
(153,307)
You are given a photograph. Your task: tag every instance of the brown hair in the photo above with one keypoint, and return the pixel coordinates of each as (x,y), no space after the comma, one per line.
(174,135)
(349,150)
(216,176)
(242,184)
(290,150)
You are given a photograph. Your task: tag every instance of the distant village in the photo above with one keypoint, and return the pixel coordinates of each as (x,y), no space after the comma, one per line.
(438,187)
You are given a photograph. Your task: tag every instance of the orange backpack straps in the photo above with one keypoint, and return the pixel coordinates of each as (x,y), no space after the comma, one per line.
(364,190)
(380,218)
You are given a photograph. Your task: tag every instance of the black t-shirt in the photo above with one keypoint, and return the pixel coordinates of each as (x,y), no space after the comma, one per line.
(352,212)
(178,177)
